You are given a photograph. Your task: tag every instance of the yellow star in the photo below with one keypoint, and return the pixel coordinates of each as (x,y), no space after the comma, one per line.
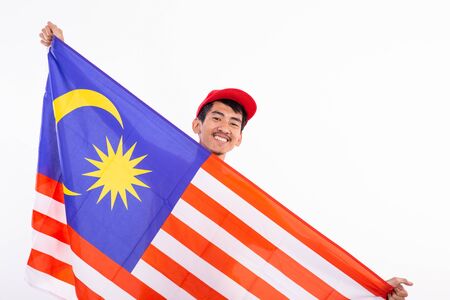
(117,173)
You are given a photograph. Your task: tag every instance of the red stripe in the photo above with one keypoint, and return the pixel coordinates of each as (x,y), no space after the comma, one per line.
(296,226)
(85,293)
(60,270)
(219,259)
(110,269)
(51,266)
(50,226)
(49,187)
(179,275)
(258,244)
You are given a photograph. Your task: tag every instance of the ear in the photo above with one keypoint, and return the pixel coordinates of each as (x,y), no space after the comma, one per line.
(196,125)
(239,140)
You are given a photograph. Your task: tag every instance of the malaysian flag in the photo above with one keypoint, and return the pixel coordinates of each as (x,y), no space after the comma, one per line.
(130,207)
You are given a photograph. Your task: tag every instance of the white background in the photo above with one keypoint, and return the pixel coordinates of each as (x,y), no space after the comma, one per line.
(352,130)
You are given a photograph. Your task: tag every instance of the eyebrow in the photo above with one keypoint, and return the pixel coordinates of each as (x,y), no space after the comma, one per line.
(218,112)
(221,114)
(236,119)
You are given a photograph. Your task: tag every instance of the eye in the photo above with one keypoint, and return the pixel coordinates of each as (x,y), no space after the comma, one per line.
(216,118)
(236,125)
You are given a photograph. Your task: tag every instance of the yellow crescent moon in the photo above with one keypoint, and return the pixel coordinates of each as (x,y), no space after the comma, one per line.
(74,99)
(68,192)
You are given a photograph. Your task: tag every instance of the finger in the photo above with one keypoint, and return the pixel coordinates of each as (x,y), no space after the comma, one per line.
(48,31)
(398,280)
(400,291)
(395,297)
(53,28)
(45,43)
(43,39)
(44,34)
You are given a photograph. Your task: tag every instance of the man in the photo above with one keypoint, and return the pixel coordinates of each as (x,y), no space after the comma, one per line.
(219,122)
(221,117)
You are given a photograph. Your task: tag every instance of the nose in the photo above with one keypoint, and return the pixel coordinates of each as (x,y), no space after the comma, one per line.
(224,128)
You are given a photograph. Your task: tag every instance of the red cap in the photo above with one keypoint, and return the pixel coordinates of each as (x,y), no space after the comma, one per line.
(236,95)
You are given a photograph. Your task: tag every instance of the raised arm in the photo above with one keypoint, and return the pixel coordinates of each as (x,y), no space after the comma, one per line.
(48,32)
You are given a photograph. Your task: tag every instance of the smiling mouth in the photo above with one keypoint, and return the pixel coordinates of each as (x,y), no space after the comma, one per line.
(221,138)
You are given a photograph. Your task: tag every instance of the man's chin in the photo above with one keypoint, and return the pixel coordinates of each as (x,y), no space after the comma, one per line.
(217,150)
(218,153)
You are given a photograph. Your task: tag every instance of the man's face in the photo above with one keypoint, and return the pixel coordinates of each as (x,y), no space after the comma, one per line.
(220,132)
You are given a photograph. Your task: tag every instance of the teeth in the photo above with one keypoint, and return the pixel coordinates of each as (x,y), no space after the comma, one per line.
(220,138)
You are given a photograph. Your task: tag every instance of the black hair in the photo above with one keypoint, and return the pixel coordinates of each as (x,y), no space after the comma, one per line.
(236,107)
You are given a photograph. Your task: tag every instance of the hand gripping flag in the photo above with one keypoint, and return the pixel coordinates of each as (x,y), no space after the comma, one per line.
(130,207)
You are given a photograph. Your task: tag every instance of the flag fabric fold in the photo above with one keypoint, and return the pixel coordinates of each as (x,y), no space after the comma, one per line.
(130,207)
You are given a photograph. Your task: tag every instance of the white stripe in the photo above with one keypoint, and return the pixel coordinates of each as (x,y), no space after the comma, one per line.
(85,273)
(157,281)
(278,236)
(49,283)
(51,246)
(96,281)
(225,241)
(50,207)
(200,268)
